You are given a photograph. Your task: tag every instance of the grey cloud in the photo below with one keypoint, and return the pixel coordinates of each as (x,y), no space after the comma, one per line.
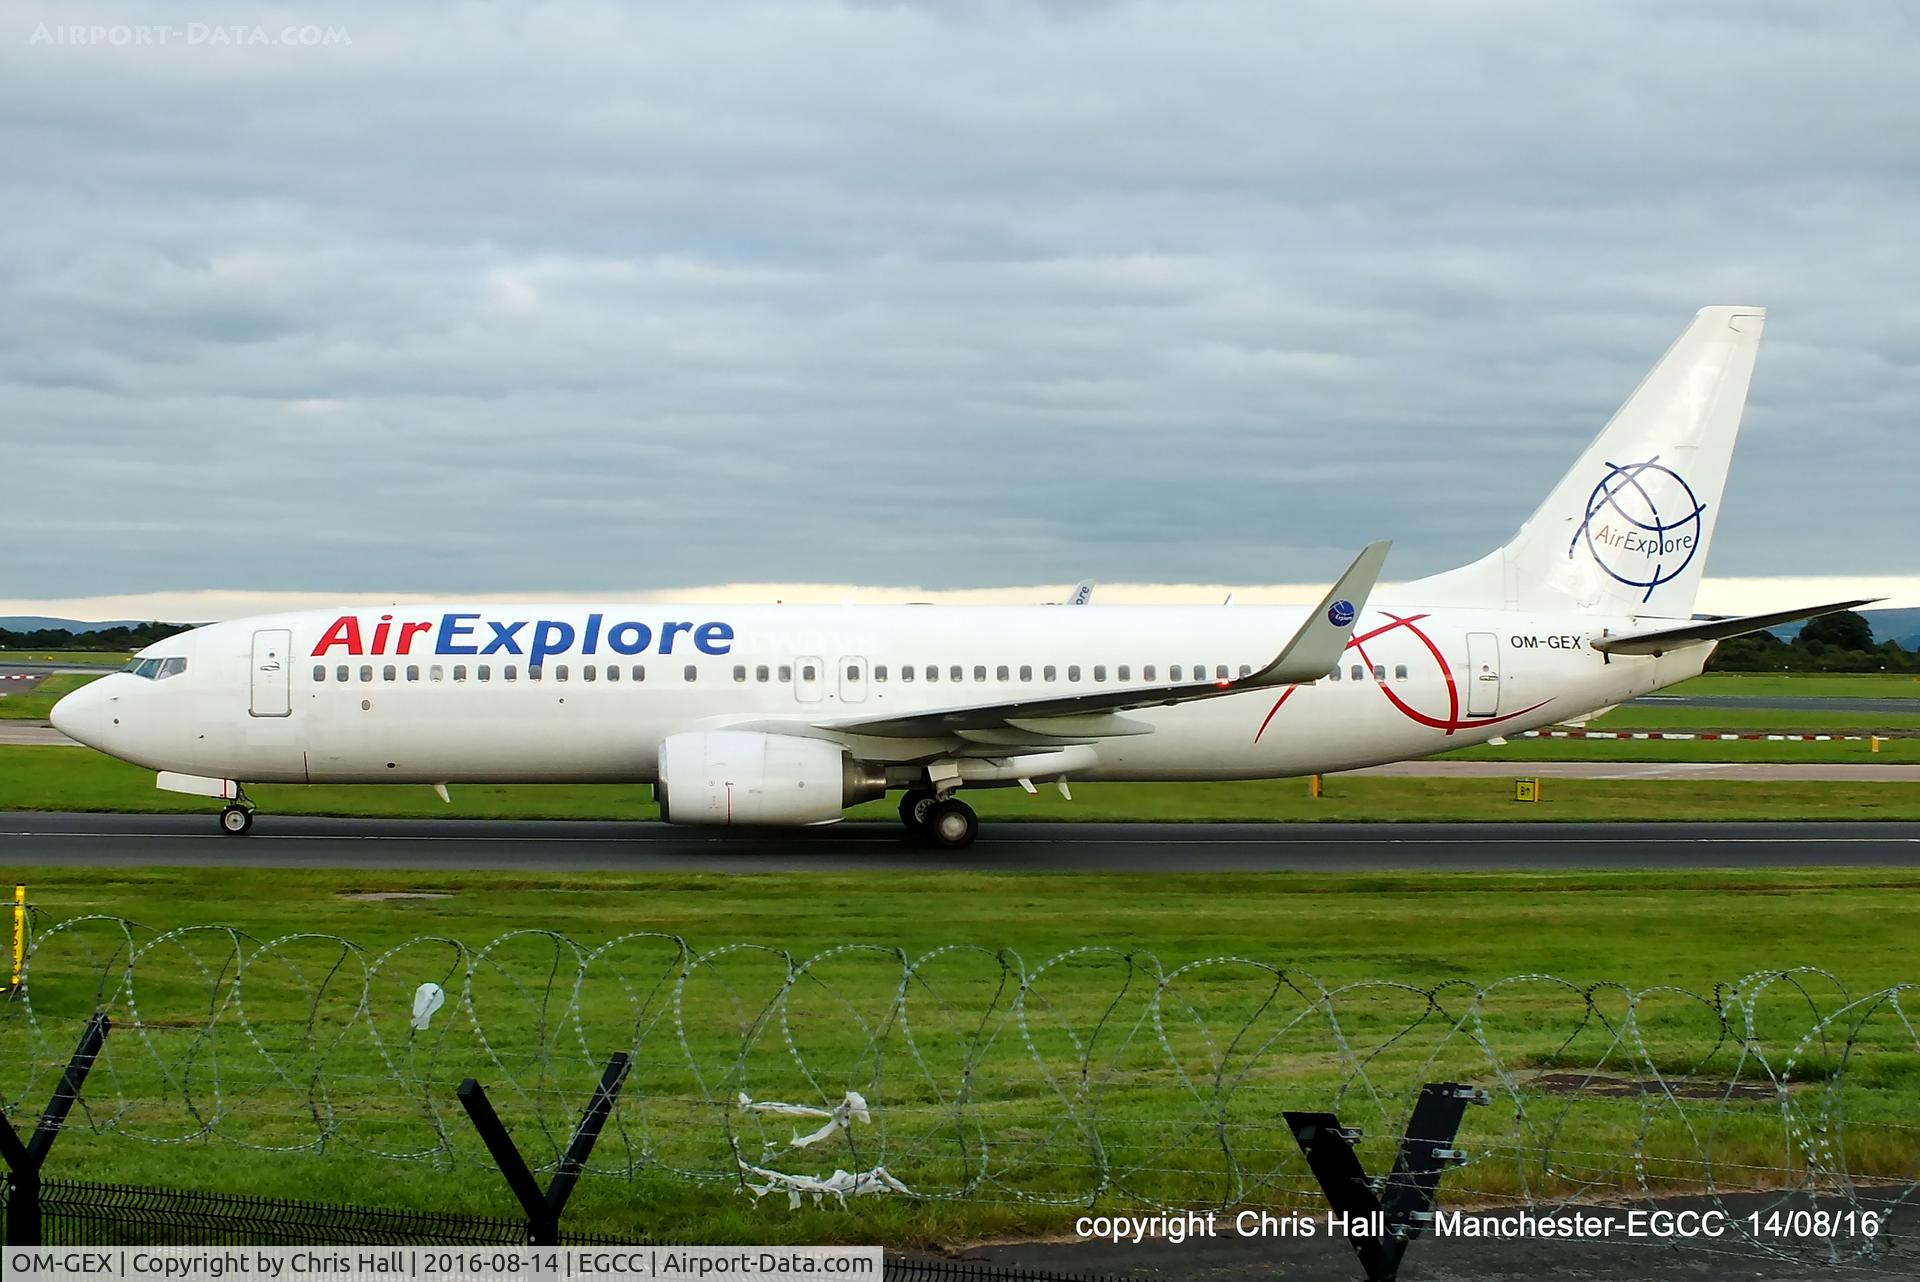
(596,295)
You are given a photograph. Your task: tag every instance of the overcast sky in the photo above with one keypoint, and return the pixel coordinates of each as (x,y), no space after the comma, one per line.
(455,299)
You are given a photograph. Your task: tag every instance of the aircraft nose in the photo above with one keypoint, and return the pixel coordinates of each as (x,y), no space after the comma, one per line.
(78,716)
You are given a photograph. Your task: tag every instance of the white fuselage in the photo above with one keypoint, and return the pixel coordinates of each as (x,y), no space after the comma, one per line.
(304,697)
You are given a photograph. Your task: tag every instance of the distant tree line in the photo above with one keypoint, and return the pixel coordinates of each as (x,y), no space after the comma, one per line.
(1840,642)
(133,638)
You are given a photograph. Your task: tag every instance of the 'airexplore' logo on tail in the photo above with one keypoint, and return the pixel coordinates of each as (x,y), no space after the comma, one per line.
(1642,526)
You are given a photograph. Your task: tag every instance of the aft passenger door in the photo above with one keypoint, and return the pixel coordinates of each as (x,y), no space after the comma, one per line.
(1483,674)
(272,673)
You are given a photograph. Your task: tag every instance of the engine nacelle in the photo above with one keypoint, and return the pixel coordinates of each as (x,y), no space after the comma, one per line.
(744,777)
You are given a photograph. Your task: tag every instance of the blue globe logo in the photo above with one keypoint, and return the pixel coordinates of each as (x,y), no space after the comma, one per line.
(1642,525)
(1340,613)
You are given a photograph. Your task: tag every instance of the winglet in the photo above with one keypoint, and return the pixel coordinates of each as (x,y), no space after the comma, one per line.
(1318,645)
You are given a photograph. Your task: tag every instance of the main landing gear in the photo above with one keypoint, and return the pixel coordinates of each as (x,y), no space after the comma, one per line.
(237,819)
(948,824)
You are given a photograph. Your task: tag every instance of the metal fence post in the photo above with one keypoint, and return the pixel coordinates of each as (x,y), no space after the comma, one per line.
(25,1160)
(543,1209)
(1379,1226)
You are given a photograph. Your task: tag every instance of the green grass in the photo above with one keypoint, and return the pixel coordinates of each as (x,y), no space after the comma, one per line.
(1811,685)
(37,703)
(1833,752)
(1663,717)
(1690,929)
(106,658)
(61,778)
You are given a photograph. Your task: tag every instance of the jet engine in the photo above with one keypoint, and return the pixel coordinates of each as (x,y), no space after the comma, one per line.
(744,777)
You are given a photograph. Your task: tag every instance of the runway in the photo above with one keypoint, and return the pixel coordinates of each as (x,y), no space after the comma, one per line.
(77,840)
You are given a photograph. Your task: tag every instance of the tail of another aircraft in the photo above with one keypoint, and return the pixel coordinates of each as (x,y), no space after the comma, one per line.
(1626,531)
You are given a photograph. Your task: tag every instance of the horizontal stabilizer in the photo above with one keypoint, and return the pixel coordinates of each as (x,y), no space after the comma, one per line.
(1713,629)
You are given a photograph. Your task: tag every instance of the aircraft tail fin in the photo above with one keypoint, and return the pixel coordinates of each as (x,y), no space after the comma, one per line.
(1626,531)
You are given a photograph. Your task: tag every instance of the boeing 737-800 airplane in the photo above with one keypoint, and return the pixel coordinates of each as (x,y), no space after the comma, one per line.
(789,715)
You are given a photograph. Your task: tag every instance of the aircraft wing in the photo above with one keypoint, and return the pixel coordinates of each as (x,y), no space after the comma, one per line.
(1308,655)
(1664,639)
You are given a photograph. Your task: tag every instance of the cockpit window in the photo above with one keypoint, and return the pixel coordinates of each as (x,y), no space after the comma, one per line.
(170,668)
(156,669)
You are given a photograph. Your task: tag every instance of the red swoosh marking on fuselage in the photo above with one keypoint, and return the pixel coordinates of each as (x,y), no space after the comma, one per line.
(1453,721)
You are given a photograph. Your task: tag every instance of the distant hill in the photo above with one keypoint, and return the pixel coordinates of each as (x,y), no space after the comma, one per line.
(1888,625)
(37,623)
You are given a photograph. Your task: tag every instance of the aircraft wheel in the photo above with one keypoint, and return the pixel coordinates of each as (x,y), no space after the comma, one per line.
(913,811)
(236,821)
(951,824)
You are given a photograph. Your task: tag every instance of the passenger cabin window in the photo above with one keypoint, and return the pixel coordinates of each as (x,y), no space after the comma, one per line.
(879,672)
(1048,673)
(613,672)
(1379,672)
(786,673)
(1002,673)
(760,674)
(1026,672)
(1245,671)
(589,672)
(1073,672)
(1356,672)
(740,672)
(906,672)
(639,672)
(484,672)
(535,672)
(389,673)
(807,673)
(510,672)
(319,672)
(559,672)
(1125,672)
(1334,675)
(1220,673)
(954,673)
(1146,673)
(1173,672)
(853,672)
(692,673)
(413,672)
(340,673)
(459,672)
(1099,672)
(436,673)
(1399,672)
(933,672)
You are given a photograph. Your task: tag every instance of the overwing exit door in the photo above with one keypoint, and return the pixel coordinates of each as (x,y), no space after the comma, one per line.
(272,673)
(853,679)
(808,680)
(1483,674)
